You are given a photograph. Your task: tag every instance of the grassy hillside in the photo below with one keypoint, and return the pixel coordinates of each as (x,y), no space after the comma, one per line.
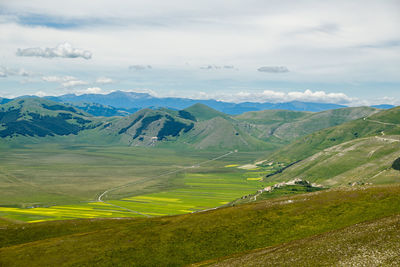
(321,120)
(202,112)
(284,125)
(198,126)
(36,117)
(377,124)
(272,116)
(146,127)
(100,110)
(363,160)
(191,238)
(373,243)
(219,133)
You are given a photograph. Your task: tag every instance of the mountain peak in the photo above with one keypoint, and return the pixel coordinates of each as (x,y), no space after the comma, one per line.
(204,112)
(130,94)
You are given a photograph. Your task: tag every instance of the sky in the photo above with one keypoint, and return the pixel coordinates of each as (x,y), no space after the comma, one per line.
(334,51)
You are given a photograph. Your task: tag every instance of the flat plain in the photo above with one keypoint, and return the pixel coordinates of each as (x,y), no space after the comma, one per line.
(53,182)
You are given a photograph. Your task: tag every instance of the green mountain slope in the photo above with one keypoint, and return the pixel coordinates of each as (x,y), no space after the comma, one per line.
(203,112)
(321,120)
(379,241)
(384,122)
(198,126)
(363,160)
(191,238)
(219,133)
(34,117)
(284,125)
(147,127)
(270,117)
(100,110)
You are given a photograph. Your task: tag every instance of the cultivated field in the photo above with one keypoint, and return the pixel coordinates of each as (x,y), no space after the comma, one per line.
(53,182)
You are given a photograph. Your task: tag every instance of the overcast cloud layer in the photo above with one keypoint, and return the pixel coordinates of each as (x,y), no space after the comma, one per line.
(330,51)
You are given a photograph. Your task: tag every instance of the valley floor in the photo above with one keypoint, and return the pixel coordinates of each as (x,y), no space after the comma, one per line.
(54,182)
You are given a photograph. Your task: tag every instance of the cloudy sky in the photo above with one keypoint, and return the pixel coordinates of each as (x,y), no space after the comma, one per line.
(335,51)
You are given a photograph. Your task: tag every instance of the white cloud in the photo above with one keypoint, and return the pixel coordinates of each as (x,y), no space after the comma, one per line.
(273,69)
(58,79)
(319,96)
(277,96)
(74,83)
(140,67)
(64,50)
(6,71)
(320,42)
(65,81)
(143,90)
(104,80)
(92,90)
(217,67)
(40,94)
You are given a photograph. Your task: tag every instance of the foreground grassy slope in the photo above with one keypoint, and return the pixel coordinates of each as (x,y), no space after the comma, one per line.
(363,160)
(191,238)
(373,243)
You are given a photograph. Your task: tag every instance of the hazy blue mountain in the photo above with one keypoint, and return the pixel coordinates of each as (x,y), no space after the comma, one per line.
(4,100)
(132,101)
(383,106)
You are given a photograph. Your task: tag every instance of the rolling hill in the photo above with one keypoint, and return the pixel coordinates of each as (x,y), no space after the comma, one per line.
(198,126)
(4,100)
(147,127)
(360,147)
(285,125)
(102,110)
(385,122)
(36,117)
(202,112)
(359,161)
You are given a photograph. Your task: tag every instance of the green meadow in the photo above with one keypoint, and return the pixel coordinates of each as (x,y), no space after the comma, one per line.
(57,182)
(199,191)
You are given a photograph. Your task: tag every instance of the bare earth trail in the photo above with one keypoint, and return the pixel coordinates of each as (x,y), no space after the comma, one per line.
(383,133)
(380,122)
(102,195)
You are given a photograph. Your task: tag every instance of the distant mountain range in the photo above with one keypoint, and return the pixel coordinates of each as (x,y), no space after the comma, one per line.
(198,126)
(120,103)
(383,106)
(132,102)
